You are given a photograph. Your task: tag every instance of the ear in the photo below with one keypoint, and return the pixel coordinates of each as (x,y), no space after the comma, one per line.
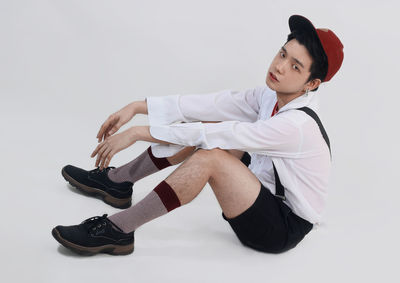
(313,84)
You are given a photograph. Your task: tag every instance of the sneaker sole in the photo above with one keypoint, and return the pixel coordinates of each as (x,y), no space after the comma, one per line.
(107,198)
(108,249)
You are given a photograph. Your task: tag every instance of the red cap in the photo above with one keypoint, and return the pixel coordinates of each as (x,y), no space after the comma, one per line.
(331,44)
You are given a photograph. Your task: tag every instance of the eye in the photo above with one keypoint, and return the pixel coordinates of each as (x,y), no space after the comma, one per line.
(282,54)
(295,67)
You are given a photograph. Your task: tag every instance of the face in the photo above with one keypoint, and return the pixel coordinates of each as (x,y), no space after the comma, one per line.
(290,69)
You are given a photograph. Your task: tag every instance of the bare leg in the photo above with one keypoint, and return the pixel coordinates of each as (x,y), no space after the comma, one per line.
(234,185)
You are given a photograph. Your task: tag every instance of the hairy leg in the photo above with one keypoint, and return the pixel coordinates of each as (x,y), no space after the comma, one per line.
(234,185)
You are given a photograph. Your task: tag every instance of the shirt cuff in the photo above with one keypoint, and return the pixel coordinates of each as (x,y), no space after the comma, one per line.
(187,134)
(164,110)
(165,150)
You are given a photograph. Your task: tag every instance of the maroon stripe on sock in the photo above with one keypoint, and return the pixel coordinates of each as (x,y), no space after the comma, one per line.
(167,196)
(161,163)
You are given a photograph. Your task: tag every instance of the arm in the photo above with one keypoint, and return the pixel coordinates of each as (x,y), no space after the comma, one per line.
(142,133)
(225,105)
(140,107)
(261,136)
(277,136)
(114,144)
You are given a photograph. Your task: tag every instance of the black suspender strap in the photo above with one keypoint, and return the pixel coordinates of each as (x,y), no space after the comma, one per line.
(279,189)
(314,115)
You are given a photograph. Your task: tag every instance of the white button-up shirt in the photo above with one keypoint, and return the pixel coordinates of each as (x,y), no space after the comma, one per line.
(291,138)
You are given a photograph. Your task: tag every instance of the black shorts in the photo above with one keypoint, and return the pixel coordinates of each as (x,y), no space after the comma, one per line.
(269,225)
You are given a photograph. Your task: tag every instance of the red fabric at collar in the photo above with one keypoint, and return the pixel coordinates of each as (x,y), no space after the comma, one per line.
(275,109)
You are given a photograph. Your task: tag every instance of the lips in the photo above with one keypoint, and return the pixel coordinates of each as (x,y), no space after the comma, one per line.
(273,77)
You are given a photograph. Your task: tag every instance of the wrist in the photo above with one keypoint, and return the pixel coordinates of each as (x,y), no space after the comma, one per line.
(142,133)
(134,133)
(140,107)
(132,108)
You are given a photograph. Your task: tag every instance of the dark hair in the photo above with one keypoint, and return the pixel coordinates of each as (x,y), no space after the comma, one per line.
(319,66)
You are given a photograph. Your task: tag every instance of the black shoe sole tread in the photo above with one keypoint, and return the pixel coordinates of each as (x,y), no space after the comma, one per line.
(82,250)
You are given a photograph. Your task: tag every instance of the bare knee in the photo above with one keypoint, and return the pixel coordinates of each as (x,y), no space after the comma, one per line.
(216,151)
(206,153)
(210,153)
(212,158)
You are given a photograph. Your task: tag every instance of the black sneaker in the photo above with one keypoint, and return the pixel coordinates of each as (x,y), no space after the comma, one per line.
(96,182)
(95,235)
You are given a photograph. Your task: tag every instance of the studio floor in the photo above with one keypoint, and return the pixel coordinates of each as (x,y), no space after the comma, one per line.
(66,65)
(191,244)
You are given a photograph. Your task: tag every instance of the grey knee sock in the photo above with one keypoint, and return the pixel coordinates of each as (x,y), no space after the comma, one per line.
(158,202)
(142,166)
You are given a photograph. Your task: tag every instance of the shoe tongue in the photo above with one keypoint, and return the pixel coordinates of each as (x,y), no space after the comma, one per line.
(115,226)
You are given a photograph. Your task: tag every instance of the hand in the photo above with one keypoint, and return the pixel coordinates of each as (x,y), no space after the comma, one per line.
(115,121)
(112,145)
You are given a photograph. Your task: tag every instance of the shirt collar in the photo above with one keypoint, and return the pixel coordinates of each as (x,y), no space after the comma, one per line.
(310,100)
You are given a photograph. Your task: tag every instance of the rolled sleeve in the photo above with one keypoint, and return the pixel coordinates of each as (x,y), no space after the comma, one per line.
(164,110)
(187,134)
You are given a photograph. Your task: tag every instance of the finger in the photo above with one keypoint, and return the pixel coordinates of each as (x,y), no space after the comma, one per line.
(102,136)
(110,131)
(98,160)
(109,122)
(102,128)
(104,158)
(111,154)
(105,134)
(100,154)
(96,150)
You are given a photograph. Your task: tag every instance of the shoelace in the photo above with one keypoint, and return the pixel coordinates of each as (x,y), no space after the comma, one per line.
(97,170)
(95,222)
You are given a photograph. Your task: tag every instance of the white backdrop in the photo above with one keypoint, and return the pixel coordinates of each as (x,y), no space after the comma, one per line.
(66,65)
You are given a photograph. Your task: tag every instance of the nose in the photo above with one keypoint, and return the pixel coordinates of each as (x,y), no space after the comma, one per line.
(280,66)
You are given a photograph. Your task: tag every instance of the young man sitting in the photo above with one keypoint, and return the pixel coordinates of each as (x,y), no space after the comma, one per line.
(263,151)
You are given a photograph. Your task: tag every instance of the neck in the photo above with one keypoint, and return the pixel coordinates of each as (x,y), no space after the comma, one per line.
(285,98)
